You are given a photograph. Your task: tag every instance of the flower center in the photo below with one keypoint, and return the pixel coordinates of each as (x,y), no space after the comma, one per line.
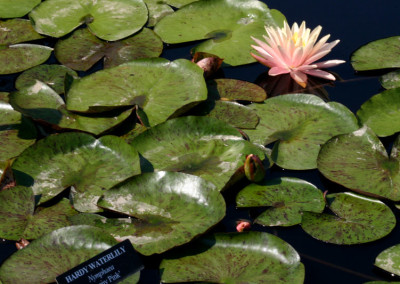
(298,41)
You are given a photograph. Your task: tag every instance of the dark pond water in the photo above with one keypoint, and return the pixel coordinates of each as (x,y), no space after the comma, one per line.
(355,23)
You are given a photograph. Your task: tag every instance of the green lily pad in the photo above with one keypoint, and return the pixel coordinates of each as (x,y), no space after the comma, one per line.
(299,123)
(75,159)
(19,57)
(16,31)
(18,219)
(360,162)
(235,90)
(16,132)
(233,113)
(42,103)
(15,205)
(51,75)
(389,260)
(82,49)
(250,257)
(226,24)
(16,8)
(157,11)
(380,112)
(287,197)
(172,209)
(107,19)
(390,80)
(55,253)
(201,146)
(158,86)
(378,54)
(358,219)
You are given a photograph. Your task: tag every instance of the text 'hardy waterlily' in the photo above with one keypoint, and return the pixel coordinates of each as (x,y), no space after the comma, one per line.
(294,50)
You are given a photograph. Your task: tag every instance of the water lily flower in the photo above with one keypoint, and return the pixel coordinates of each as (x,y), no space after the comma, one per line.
(294,51)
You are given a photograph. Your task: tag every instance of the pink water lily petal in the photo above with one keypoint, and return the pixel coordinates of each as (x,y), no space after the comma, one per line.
(299,77)
(274,71)
(321,74)
(329,63)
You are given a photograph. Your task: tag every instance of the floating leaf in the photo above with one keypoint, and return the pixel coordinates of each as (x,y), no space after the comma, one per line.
(16,132)
(360,162)
(90,165)
(389,260)
(380,113)
(233,113)
(16,31)
(201,146)
(250,257)
(16,8)
(18,220)
(358,219)
(51,75)
(230,89)
(158,86)
(15,205)
(287,197)
(42,103)
(226,24)
(157,10)
(19,57)
(55,253)
(378,54)
(391,80)
(172,208)
(299,123)
(107,19)
(82,49)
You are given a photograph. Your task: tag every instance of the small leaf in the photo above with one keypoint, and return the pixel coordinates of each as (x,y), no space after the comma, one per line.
(287,197)
(16,31)
(358,219)
(19,57)
(389,260)
(380,113)
(107,19)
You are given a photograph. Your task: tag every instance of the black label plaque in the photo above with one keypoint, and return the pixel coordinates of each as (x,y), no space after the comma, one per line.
(110,266)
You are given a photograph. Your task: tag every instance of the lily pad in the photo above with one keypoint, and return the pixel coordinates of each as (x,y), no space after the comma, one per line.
(158,86)
(378,54)
(19,57)
(235,90)
(360,162)
(107,19)
(55,253)
(233,113)
(226,24)
(51,75)
(389,260)
(250,257)
(76,159)
(16,132)
(82,49)
(16,30)
(299,124)
(42,103)
(358,219)
(18,219)
(16,8)
(201,146)
(381,113)
(172,208)
(391,80)
(287,197)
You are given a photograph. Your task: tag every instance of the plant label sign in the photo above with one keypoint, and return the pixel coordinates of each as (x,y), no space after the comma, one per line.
(110,266)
